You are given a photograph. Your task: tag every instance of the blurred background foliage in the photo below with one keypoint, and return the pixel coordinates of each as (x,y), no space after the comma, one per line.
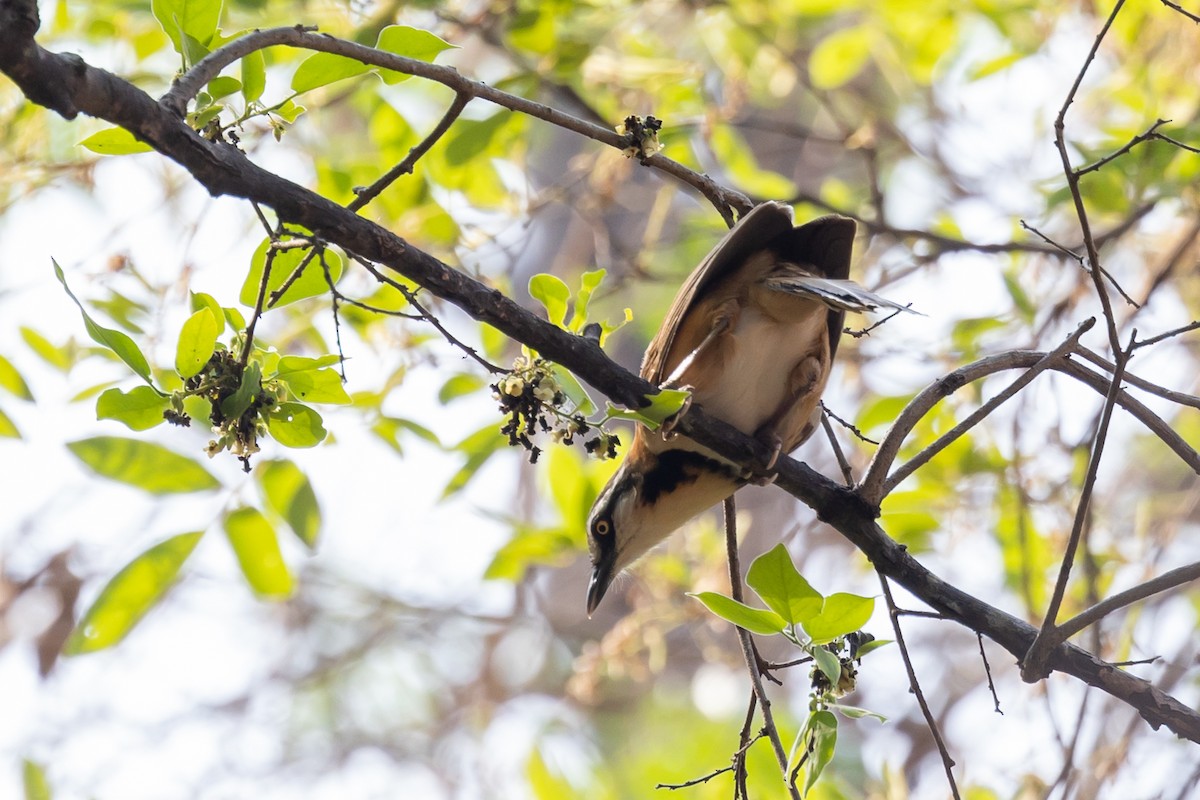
(435,644)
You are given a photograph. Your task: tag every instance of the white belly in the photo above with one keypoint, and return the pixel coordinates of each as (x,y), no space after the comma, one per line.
(758,359)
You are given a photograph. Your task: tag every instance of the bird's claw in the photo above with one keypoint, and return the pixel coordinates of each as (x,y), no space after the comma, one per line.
(766,474)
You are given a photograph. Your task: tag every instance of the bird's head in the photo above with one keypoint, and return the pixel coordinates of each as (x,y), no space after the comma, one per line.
(648,497)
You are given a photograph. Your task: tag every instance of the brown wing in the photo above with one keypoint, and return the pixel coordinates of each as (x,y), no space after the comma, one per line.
(754,231)
(823,245)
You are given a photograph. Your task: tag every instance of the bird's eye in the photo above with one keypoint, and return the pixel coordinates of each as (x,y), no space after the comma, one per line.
(602,527)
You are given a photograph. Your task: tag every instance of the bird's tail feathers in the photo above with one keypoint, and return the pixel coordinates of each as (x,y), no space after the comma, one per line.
(845,295)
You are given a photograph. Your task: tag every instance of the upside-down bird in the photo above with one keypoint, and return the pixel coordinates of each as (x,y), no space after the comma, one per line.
(751,334)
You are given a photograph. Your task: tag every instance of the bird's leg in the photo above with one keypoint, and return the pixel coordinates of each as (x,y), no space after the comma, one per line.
(804,385)
(722,322)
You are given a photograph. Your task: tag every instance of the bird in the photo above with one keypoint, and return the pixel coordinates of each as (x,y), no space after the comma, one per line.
(751,334)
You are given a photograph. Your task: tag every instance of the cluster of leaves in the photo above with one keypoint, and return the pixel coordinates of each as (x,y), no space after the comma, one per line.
(826,629)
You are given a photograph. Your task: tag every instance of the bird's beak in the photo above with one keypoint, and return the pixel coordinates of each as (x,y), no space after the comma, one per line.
(602,575)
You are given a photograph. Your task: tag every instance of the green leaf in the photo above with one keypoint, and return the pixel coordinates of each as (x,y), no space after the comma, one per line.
(552,293)
(223,86)
(545,784)
(472,137)
(412,43)
(130,594)
(755,620)
(148,466)
(257,549)
(187,19)
(201,300)
(823,727)
(140,409)
(782,588)
(456,386)
(662,407)
(115,142)
(119,343)
(197,341)
(289,494)
(236,404)
(322,69)
(311,282)
(842,614)
(874,644)
(254,76)
(8,429)
(828,663)
(854,712)
(549,546)
(574,390)
(296,425)
(34,778)
(57,357)
(588,283)
(315,386)
(839,57)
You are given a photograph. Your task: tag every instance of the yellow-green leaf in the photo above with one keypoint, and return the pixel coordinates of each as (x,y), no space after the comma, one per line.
(11,380)
(257,549)
(197,341)
(290,495)
(311,282)
(130,594)
(8,429)
(296,425)
(146,465)
(115,142)
(140,409)
(125,348)
(34,778)
(839,57)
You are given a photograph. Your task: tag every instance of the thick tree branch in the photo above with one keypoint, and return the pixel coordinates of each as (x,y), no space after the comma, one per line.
(68,85)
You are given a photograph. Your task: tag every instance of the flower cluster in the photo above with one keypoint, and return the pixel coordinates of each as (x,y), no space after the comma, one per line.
(533,400)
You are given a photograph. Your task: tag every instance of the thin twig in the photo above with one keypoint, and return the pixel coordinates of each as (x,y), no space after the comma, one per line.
(1060,140)
(843,464)
(1083,260)
(987,670)
(847,425)
(1168,580)
(406,166)
(1183,11)
(425,315)
(1182,398)
(248,344)
(740,754)
(739,758)
(1033,664)
(1150,133)
(1191,326)
(915,686)
(751,657)
(861,332)
(875,486)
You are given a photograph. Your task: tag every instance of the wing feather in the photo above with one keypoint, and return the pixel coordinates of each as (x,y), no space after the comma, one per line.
(754,231)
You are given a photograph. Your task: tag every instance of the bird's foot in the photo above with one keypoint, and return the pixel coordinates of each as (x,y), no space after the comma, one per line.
(766,474)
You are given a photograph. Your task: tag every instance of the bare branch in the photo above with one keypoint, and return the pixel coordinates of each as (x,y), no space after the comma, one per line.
(187,86)
(1181,10)
(1093,252)
(915,686)
(1164,582)
(1182,398)
(874,486)
(1150,133)
(748,652)
(1032,665)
